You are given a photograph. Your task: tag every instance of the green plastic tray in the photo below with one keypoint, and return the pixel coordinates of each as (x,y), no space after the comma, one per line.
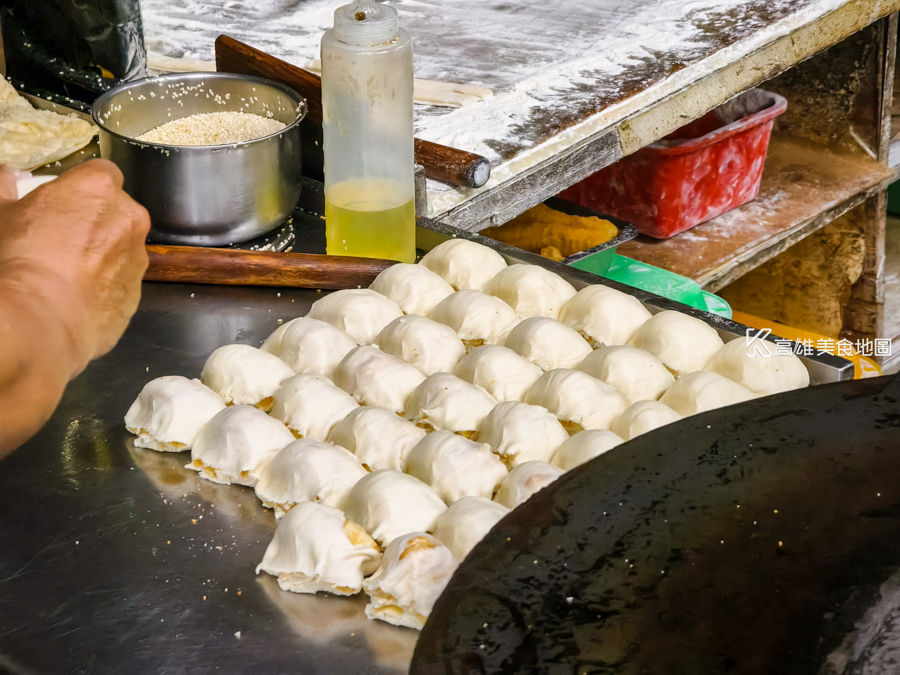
(667,284)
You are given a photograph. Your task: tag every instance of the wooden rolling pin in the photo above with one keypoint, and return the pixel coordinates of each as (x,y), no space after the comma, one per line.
(441,163)
(235,267)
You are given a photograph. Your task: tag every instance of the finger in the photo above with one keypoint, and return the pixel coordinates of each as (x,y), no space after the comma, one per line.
(96,170)
(140,218)
(9,192)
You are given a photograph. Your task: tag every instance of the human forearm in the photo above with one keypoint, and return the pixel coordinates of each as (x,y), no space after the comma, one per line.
(40,354)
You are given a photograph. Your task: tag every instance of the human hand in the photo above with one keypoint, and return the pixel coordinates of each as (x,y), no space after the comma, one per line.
(77,244)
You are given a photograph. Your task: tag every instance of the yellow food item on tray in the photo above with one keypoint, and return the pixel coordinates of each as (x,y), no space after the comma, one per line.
(553,234)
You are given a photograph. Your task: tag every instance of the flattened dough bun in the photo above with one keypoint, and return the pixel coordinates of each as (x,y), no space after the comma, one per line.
(361,312)
(524,481)
(644,416)
(578,400)
(245,375)
(310,405)
(548,343)
(464,264)
(531,290)
(308,471)
(378,437)
(428,345)
(684,344)
(701,391)
(466,522)
(758,368)
(414,571)
(604,316)
(634,373)
(415,288)
(444,401)
(315,548)
(170,411)
(309,346)
(498,370)
(30,138)
(583,447)
(377,379)
(455,467)
(518,432)
(237,444)
(478,318)
(388,504)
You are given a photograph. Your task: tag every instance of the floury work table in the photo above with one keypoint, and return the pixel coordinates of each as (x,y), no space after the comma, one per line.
(577,85)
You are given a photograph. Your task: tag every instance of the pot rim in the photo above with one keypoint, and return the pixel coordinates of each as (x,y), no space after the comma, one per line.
(107,97)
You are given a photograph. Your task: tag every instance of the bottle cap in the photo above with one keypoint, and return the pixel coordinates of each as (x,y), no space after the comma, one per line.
(366,23)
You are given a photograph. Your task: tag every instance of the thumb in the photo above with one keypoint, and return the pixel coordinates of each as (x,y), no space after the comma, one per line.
(9,192)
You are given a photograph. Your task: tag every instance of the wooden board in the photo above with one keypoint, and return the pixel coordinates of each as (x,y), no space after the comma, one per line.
(805,186)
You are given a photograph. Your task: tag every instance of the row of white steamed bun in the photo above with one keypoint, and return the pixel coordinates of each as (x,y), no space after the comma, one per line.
(498,398)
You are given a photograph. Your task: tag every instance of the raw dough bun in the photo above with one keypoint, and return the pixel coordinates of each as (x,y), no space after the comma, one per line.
(466,522)
(237,444)
(30,138)
(444,401)
(578,400)
(531,290)
(701,391)
(415,288)
(414,571)
(478,318)
(169,413)
(604,316)
(583,447)
(361,312)
(430,346)
(634,373)
(518,432)
(244,375)
(315,548)
(642,417)
(310,405)
(548,343)
(388,504)
(455,467)
(308,471)
(498,370)
(684,344)
(464,264)
(309,346)
(377,379)
(761,374)
(524,481)
(378,437)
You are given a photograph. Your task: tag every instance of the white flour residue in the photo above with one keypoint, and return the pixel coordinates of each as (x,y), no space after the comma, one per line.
(290,30)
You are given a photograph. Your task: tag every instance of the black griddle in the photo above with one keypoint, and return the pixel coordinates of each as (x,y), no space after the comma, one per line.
(750,539)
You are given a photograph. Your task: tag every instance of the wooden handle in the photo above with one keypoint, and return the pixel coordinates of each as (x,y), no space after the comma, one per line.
(235,267)
(441,163)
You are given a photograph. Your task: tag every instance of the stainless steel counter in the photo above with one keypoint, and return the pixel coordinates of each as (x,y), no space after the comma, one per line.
(114,559)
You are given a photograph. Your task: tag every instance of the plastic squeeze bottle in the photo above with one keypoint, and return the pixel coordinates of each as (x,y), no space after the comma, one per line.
(367,109)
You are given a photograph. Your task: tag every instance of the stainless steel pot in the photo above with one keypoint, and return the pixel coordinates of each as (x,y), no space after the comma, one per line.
(204,195)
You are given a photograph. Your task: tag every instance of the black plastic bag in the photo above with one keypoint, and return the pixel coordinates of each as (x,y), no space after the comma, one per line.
(76,49)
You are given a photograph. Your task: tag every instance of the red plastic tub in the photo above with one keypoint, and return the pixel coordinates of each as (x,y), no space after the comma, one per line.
(704,169)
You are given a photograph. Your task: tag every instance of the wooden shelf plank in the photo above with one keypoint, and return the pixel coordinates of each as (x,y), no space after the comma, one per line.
(805,186)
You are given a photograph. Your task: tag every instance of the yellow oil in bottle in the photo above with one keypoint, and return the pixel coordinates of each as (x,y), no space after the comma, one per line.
(370,218)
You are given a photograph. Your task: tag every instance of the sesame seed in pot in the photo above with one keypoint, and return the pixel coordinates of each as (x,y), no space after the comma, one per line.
(218,128)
